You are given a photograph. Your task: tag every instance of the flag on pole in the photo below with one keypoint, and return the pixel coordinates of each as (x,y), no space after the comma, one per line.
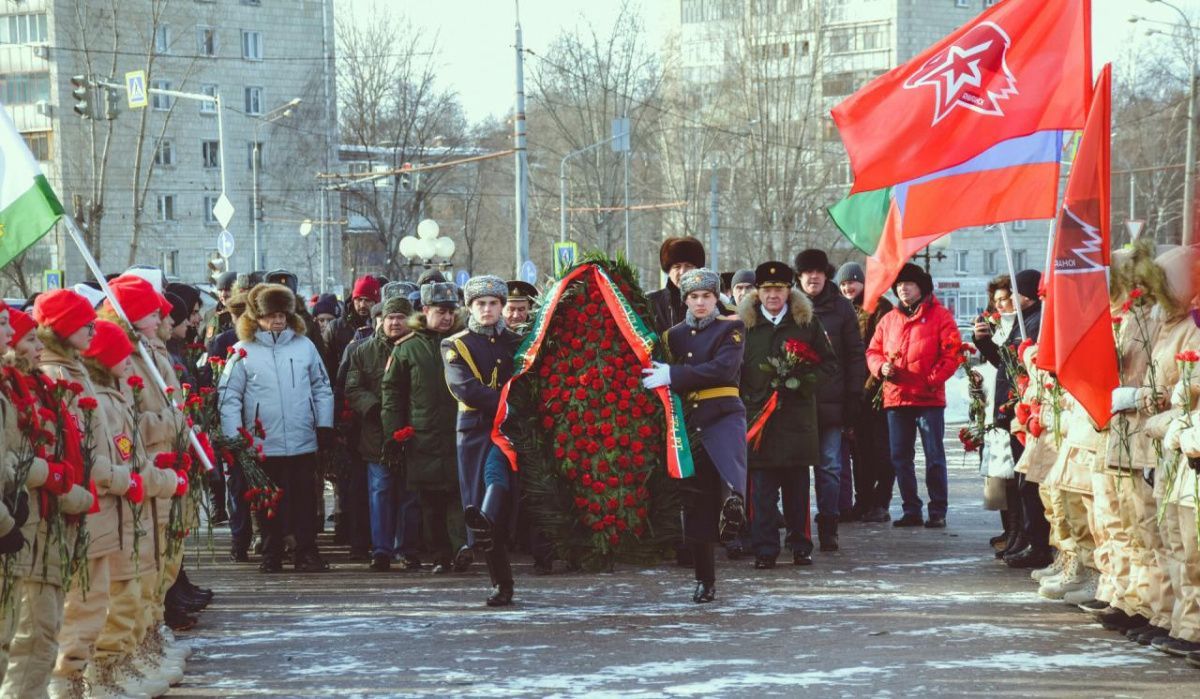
(1076,340)
(1011,181)
(28,207)
(1020,67)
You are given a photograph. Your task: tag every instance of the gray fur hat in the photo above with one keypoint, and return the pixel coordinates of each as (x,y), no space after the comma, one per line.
(702,279)
(439,294)
(392,289)
(485,285)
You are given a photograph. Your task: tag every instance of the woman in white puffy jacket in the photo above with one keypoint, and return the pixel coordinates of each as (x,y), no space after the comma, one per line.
(275,378)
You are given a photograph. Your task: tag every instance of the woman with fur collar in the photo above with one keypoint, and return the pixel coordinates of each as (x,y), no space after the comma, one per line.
(776,313)
(275,376)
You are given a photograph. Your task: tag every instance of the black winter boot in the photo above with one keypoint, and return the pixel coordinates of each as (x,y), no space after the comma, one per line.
(500,571)
(827,532)
(481,520)
(706,573)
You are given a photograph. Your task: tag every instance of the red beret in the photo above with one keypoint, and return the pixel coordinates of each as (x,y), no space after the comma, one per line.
(366,286)
(21,323)
(63,311)
(137,297)
(110,346)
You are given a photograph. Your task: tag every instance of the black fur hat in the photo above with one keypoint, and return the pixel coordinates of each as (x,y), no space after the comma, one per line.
(684,249)
(913,273)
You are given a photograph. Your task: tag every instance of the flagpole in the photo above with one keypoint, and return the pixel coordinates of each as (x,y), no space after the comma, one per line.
(1012,278)
(112,299)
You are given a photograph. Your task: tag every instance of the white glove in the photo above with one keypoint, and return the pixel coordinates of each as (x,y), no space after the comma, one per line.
(1124,398)
(1171,438)
(1181,397)
(657,375)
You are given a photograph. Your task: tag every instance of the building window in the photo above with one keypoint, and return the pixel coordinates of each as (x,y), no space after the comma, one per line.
(208,107)
(23,29)
(210,219)
(162,39)
(962,3)
(250,155)
(161,103)
(1020,225)
(210,153)
(254,100)
(164,154)
(989,262)
(961,261)
(24,88)
(170,263)
(841,40)
(166,207)
(252,45)
(39,144)
(1018,260)
(206,41)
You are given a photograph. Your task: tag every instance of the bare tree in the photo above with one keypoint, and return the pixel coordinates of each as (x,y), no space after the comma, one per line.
(393,110)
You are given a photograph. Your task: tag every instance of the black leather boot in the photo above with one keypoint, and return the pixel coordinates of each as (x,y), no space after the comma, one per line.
(482,520)
(1000,542)
(733,518)
(827,532)
(500,571)
(706,573)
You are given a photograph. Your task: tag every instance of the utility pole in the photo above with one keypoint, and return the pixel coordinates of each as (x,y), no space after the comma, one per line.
(521,208)
(713,241)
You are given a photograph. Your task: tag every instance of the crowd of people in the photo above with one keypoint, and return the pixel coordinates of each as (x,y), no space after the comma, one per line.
(1104,516)
(392,395)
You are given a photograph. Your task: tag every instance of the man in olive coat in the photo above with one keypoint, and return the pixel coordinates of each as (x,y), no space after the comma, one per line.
(775,313)
(394,515)
(415,395)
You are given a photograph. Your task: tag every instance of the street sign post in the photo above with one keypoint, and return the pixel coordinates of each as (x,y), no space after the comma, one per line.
(135,89)
(225,244)
(1135,228)
(529,272)
(53,279)
(461,277)
(565,255)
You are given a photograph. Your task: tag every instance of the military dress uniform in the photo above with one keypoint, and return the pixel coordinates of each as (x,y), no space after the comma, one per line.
(478,361)
(705,368)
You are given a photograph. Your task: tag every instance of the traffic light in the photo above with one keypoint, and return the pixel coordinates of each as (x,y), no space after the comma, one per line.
(112,103)
(84,104)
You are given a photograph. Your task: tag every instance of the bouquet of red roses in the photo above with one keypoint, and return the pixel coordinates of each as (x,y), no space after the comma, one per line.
(795,368)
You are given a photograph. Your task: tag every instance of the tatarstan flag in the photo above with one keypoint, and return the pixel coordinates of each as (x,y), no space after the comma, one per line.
(1076,341)
(1013,180)
(1020,67)
(28,207)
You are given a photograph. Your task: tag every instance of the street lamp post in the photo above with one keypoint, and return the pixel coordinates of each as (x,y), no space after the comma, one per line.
(562,183)
(283,110)
(427,245)
(1189,166)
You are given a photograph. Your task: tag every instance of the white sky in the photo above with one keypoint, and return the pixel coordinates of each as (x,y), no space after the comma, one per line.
(476,36)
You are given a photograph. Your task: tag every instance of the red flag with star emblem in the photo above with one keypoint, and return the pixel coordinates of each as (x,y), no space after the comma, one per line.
(1076,340)
(1020,67)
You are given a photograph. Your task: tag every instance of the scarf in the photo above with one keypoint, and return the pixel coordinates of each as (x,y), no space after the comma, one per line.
(699,323)
(495,330)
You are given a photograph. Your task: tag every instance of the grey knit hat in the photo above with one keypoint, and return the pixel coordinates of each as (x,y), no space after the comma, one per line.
(850,272)
(702,279)
(439,294)
(742,276)
(485,285)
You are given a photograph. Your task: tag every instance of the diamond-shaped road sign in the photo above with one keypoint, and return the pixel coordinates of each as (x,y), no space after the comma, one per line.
(223,211)
(135,89)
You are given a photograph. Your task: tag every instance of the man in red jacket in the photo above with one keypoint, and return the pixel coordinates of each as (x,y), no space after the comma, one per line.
(915,350)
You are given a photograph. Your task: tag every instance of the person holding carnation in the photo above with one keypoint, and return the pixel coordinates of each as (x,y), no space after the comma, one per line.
(706,360)
(787,353)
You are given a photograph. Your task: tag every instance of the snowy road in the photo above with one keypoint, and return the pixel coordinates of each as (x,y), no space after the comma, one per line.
(895,613)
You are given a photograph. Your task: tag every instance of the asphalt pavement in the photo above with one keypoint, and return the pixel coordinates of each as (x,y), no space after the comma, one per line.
(896,612)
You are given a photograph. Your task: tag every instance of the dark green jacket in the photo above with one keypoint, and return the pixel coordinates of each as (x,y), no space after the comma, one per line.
(415,394)
(791,437)
(364,383)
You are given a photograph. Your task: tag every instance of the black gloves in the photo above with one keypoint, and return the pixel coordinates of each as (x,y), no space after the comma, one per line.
(20,510)
(326,438)
(14,540)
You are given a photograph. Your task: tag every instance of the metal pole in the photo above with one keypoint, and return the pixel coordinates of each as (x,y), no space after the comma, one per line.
(1189,168)
(713,241)
(562,200)
(1012,277)
(628,144)
(324,242)
(254,203)
(521,212)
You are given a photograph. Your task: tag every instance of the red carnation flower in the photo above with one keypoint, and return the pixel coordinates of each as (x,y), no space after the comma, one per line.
(87,403)
(404,434)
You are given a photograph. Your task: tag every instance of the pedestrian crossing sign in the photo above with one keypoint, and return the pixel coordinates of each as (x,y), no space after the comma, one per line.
(135,89)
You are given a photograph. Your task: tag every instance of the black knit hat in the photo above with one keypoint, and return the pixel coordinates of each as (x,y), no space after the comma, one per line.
(1028,281)
(913,273)
(179,308)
